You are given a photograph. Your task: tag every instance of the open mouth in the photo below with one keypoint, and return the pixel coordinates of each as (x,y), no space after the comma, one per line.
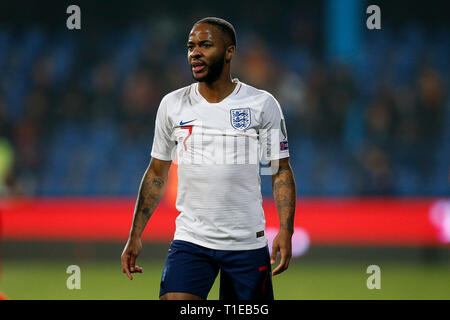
(198,66)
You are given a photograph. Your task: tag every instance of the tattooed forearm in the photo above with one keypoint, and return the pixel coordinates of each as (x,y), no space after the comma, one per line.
(150,193)
(283,186)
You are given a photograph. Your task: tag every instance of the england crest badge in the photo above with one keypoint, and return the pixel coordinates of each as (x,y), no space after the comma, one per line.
(240,118)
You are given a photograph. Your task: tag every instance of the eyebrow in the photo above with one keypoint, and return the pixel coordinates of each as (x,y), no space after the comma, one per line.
(200,42)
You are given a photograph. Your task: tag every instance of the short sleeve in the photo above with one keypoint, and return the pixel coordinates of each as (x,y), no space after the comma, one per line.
(163,144)
(273,133)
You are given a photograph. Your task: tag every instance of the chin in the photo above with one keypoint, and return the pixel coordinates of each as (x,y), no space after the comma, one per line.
(200,78)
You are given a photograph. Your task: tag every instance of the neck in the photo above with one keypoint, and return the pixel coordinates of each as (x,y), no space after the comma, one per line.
(218,90)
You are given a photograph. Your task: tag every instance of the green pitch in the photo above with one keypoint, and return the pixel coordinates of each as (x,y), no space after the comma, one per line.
(311,280)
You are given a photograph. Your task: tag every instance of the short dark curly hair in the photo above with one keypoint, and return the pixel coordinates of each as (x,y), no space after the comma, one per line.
(223,25)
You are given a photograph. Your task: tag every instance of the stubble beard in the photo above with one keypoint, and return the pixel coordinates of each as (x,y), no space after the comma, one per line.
(214,71)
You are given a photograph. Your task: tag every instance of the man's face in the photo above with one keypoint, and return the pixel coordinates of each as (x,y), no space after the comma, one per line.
(206,52)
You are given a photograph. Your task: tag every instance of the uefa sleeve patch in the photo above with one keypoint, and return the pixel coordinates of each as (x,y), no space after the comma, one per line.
(284,145)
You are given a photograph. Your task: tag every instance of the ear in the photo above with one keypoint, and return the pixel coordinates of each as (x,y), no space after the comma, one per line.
(229,53)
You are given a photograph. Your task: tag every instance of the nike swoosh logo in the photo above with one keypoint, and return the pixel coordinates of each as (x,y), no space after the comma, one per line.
(183,123)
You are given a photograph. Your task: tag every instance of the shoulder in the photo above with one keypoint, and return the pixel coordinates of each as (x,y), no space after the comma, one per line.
(270,107)
(260,95)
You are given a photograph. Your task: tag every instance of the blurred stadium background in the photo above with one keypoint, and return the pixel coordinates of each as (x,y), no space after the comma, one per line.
(368,118)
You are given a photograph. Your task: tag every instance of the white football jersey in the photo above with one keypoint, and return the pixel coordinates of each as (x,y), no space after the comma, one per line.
(218,147)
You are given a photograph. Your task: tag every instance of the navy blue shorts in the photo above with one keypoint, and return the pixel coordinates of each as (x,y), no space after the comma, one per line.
(244,274)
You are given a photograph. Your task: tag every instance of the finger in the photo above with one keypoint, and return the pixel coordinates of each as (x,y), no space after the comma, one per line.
(288,255)
(126,267)
(273,257)
(132,263)
(128,273)
(282,266)
(279,269)
(288,260)
(138,269)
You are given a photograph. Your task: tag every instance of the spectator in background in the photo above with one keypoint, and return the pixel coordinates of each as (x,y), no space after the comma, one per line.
(28,136)
(375,172)
(139,104)
(379,122)
(6,155)
(257,64)
(103,98)
(328,95)
(72,106)
(291,91)
(431,102)
(338,96)
(6,165)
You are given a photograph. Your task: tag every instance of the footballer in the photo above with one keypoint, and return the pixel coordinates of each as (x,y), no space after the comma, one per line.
(217,128)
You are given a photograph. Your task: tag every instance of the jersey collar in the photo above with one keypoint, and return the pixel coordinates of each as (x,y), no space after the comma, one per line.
(197,95)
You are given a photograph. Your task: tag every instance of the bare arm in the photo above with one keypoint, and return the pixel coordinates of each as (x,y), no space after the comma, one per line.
(151,191)
(284,193)
(283,187)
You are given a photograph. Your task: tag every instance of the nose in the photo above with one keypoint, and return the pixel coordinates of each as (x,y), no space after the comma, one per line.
(195,53)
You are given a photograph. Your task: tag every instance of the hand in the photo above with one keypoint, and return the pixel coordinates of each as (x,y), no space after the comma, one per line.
(129,255)
(283,244)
